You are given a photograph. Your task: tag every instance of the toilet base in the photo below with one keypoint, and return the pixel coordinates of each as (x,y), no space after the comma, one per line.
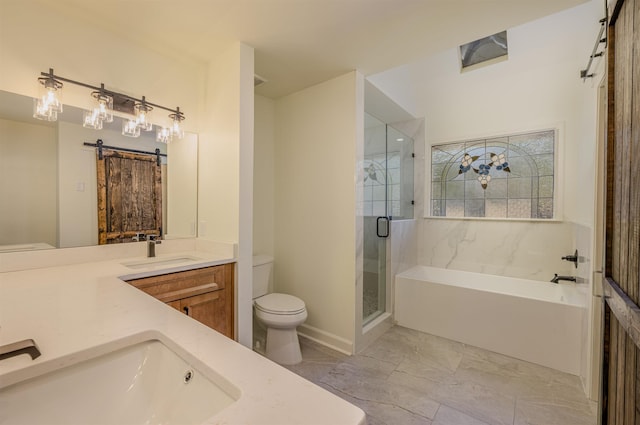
(283,346)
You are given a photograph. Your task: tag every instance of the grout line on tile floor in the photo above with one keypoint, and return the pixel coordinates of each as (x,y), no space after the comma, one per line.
(384,403)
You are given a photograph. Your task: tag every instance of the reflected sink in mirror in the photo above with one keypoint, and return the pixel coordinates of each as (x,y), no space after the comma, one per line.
(159,261)
(145,383)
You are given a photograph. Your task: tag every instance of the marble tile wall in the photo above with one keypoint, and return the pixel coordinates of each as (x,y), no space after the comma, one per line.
(403,250)
(522,249)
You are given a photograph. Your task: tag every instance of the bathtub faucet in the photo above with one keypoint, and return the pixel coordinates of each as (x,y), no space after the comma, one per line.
(557,278)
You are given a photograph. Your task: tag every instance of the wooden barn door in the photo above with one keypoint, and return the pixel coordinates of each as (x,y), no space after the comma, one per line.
(621,374)
(129,196)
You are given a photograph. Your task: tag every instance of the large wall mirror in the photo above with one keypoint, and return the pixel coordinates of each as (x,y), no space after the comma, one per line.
(48,185)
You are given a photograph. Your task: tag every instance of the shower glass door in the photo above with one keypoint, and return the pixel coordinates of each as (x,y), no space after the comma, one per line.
(388,193)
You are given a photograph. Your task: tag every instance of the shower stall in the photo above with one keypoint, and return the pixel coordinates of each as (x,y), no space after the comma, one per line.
(388,167)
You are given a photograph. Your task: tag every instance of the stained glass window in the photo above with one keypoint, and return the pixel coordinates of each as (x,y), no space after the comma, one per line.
(502,177)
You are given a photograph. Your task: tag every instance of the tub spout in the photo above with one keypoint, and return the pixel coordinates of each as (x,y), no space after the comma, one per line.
(557,278)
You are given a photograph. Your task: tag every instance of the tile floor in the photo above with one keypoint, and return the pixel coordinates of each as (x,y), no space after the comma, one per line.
(408,377)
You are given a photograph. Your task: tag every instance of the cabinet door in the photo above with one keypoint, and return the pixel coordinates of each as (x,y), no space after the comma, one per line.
(211,310)
(205,294)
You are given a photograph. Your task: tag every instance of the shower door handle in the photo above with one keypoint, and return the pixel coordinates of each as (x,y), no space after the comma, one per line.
(382,227)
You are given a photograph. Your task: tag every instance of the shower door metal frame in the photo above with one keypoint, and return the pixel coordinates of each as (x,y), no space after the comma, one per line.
(383,227)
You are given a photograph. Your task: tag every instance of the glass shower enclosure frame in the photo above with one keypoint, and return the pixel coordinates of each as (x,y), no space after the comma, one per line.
(388,195)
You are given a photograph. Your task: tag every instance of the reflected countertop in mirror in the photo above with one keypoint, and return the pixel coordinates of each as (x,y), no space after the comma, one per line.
(48,178)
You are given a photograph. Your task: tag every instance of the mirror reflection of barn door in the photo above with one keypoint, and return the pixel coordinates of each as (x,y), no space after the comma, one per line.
(129,196)
(621,281)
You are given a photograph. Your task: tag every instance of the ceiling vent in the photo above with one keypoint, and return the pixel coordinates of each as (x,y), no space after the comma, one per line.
(484,51)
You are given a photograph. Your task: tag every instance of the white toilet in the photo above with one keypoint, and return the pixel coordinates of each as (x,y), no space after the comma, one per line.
(279,313)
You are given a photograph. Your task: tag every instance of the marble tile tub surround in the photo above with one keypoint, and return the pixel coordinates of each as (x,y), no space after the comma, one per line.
(524,249)
(408,377)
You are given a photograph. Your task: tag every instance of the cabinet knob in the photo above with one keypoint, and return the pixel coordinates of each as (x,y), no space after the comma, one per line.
(186,311)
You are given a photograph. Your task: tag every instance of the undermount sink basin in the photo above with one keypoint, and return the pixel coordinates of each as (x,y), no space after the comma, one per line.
(159,261)
(145,383)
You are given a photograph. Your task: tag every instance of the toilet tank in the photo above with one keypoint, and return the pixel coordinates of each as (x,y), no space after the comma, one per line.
(262,265)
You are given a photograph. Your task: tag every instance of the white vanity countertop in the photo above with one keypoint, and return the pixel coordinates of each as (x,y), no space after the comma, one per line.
(72,310)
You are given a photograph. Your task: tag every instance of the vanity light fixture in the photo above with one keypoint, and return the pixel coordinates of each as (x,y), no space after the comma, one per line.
(91,119)
(48,105)
(130,128)
(142,110)
(104,104)
(163,135)
(176,127)
(166,134)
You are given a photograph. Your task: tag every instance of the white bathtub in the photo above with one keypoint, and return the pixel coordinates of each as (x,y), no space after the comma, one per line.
(540,322)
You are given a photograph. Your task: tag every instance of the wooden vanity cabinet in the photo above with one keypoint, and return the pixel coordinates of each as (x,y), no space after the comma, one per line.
(205,294)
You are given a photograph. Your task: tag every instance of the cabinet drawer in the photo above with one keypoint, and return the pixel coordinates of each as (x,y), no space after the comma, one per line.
(174,286)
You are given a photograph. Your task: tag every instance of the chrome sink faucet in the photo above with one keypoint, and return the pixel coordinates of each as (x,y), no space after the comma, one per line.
(152,240)
(27,346)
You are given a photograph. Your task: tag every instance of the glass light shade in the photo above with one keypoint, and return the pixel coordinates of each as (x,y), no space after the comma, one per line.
(42,111)
(130,128)
(105,107)
(91,119)
(163,135)
(176,129)
(142,117)
(49,95)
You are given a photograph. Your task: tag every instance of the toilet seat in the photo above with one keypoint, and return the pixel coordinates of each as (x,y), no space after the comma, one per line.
(281,304)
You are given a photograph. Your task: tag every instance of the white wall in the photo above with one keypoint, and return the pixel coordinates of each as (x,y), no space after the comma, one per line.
(315,201)
(225,187)
(263,176)
(182,187)
(77,186)
(28,177)
(244,290)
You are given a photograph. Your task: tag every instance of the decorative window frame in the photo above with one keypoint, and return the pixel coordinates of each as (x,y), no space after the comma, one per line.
(558,182)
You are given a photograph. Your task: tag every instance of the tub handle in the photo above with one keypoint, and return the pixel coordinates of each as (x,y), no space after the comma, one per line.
(572,258)
(382,230)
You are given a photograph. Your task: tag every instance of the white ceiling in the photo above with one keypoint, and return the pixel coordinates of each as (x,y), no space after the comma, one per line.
(299,43)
